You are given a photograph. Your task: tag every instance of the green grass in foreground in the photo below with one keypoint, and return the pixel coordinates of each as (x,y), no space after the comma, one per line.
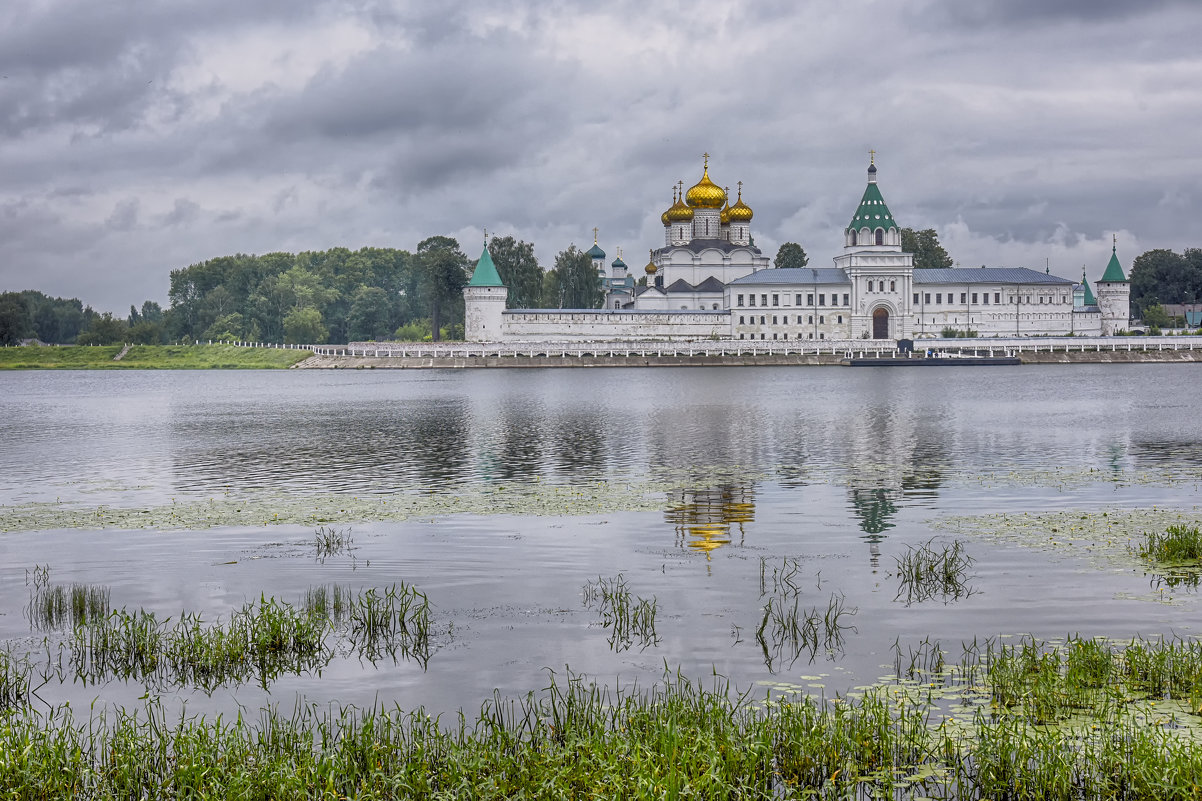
(677,739)
(1178,544)
(149,357)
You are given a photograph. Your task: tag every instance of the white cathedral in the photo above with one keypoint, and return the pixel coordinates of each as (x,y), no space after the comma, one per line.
(710,281)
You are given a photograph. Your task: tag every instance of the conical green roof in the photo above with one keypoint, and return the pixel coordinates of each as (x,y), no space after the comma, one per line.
(485,273)
(872,213)
(1114,270)
(1090,300)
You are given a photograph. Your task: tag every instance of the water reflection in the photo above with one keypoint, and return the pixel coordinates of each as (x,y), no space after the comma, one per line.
(705,519)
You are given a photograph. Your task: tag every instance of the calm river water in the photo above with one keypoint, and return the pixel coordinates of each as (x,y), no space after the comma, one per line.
(702,482)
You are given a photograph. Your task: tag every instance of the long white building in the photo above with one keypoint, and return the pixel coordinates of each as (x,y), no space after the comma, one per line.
(709,281)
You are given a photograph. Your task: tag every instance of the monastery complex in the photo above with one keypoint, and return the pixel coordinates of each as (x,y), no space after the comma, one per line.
(710,281)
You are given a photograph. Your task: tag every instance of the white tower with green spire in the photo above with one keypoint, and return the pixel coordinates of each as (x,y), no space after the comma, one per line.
(1114,295)
(881,275)
(484,300)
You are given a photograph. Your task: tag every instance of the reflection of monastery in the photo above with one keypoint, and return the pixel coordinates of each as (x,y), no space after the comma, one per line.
(706,519)
(709,280)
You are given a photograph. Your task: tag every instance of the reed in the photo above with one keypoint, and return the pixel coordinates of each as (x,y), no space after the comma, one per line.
(14,681)
(393,622)
(787,630)
(628,618)
(57,606)
(330,541)
(332,602)
(928,571)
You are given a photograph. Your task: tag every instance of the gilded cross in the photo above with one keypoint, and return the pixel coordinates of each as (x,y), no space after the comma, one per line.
(871,156)
(706,156)
(594,236)
(740,190)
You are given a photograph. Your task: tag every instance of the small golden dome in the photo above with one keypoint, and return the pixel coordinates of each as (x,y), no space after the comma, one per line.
(650,269)
(679,211)
(740,211)
(664,218)
(724,217)
(705,194)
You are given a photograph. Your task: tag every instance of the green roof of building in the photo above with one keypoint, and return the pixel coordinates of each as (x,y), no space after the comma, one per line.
(872,213)
(1090,300)
(595,252)
(1114,270)
(485,273)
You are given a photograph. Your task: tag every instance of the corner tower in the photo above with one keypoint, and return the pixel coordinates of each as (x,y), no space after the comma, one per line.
(1114,295)
(484,300)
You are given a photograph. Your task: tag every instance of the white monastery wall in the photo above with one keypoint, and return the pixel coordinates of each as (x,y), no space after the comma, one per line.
(611,325)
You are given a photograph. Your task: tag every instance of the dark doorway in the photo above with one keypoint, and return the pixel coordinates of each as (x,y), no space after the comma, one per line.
(880,324)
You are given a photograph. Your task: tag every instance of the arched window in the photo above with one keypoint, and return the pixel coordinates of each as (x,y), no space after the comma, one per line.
(853,237)
(892,286)
(880,236)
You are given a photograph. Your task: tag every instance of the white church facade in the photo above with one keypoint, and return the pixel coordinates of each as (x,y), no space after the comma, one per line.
(709,281)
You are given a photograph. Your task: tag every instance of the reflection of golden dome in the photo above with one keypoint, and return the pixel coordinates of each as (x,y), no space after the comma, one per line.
(708,538)
(705,194)
(650,269)
(740,211)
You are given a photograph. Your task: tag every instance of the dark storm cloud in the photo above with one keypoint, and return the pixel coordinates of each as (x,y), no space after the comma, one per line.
(1025,12)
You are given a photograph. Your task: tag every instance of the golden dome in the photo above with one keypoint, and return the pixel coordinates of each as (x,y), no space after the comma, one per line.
(664,218)
(650,269)
(679,211)
(740,211)
(705,194)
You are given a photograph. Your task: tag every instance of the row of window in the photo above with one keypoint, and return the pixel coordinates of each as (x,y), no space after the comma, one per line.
(809,319)
(997,298)
(796,299)
(783,336)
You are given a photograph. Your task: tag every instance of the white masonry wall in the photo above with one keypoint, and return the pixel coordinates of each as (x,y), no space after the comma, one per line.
(525,325)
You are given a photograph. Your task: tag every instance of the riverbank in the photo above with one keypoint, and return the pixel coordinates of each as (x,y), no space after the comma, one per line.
(345,362)
(148,357)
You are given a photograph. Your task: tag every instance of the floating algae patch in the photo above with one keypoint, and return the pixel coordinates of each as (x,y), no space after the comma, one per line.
(318,509)
(1102,536)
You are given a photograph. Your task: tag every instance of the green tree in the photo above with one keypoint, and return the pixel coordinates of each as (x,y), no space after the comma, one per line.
(147,332)
(16,323)
(442,268)
(520,271)
(924,244)
(152,312)
(226,328)
(1162,276)
(105,330)
(790,254)
(371,314)
(1156,316)
(578,284)
(303,326)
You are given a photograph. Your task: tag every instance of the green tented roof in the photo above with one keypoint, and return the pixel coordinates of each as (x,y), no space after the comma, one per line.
(1114,270)
(485,273)
(1090,300)
(872,213)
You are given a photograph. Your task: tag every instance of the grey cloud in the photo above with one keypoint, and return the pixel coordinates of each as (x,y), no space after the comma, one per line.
(124,216)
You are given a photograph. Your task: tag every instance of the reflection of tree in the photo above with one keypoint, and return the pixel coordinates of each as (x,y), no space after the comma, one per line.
(704,518)
(580,444)
(521,444)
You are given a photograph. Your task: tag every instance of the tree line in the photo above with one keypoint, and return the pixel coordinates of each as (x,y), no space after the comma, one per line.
(339,295)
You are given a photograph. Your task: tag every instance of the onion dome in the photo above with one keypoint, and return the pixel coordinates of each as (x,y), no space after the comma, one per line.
(740,211)
(679,211)
(650,269)
(666,217)
(618,263)
(705,194)
(724,216)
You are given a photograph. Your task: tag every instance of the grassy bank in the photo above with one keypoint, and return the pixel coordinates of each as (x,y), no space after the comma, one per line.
(1085,719)
(148,357)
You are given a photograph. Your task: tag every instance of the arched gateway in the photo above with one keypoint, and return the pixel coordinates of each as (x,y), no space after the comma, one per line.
(880,324)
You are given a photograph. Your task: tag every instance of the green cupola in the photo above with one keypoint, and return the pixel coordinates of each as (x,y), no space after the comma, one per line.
(1114,270)
(872,212)
(485,273)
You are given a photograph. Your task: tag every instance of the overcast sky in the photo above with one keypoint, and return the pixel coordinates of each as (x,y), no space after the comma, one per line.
(141,136)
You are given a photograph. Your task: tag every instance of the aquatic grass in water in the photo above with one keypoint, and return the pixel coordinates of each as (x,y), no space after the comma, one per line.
(627,617)
(57,606)
(784,579)
(331,542)
(14,681)
(928,571)
(395,621)
(1178,544)
(261,640)
(787,630)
